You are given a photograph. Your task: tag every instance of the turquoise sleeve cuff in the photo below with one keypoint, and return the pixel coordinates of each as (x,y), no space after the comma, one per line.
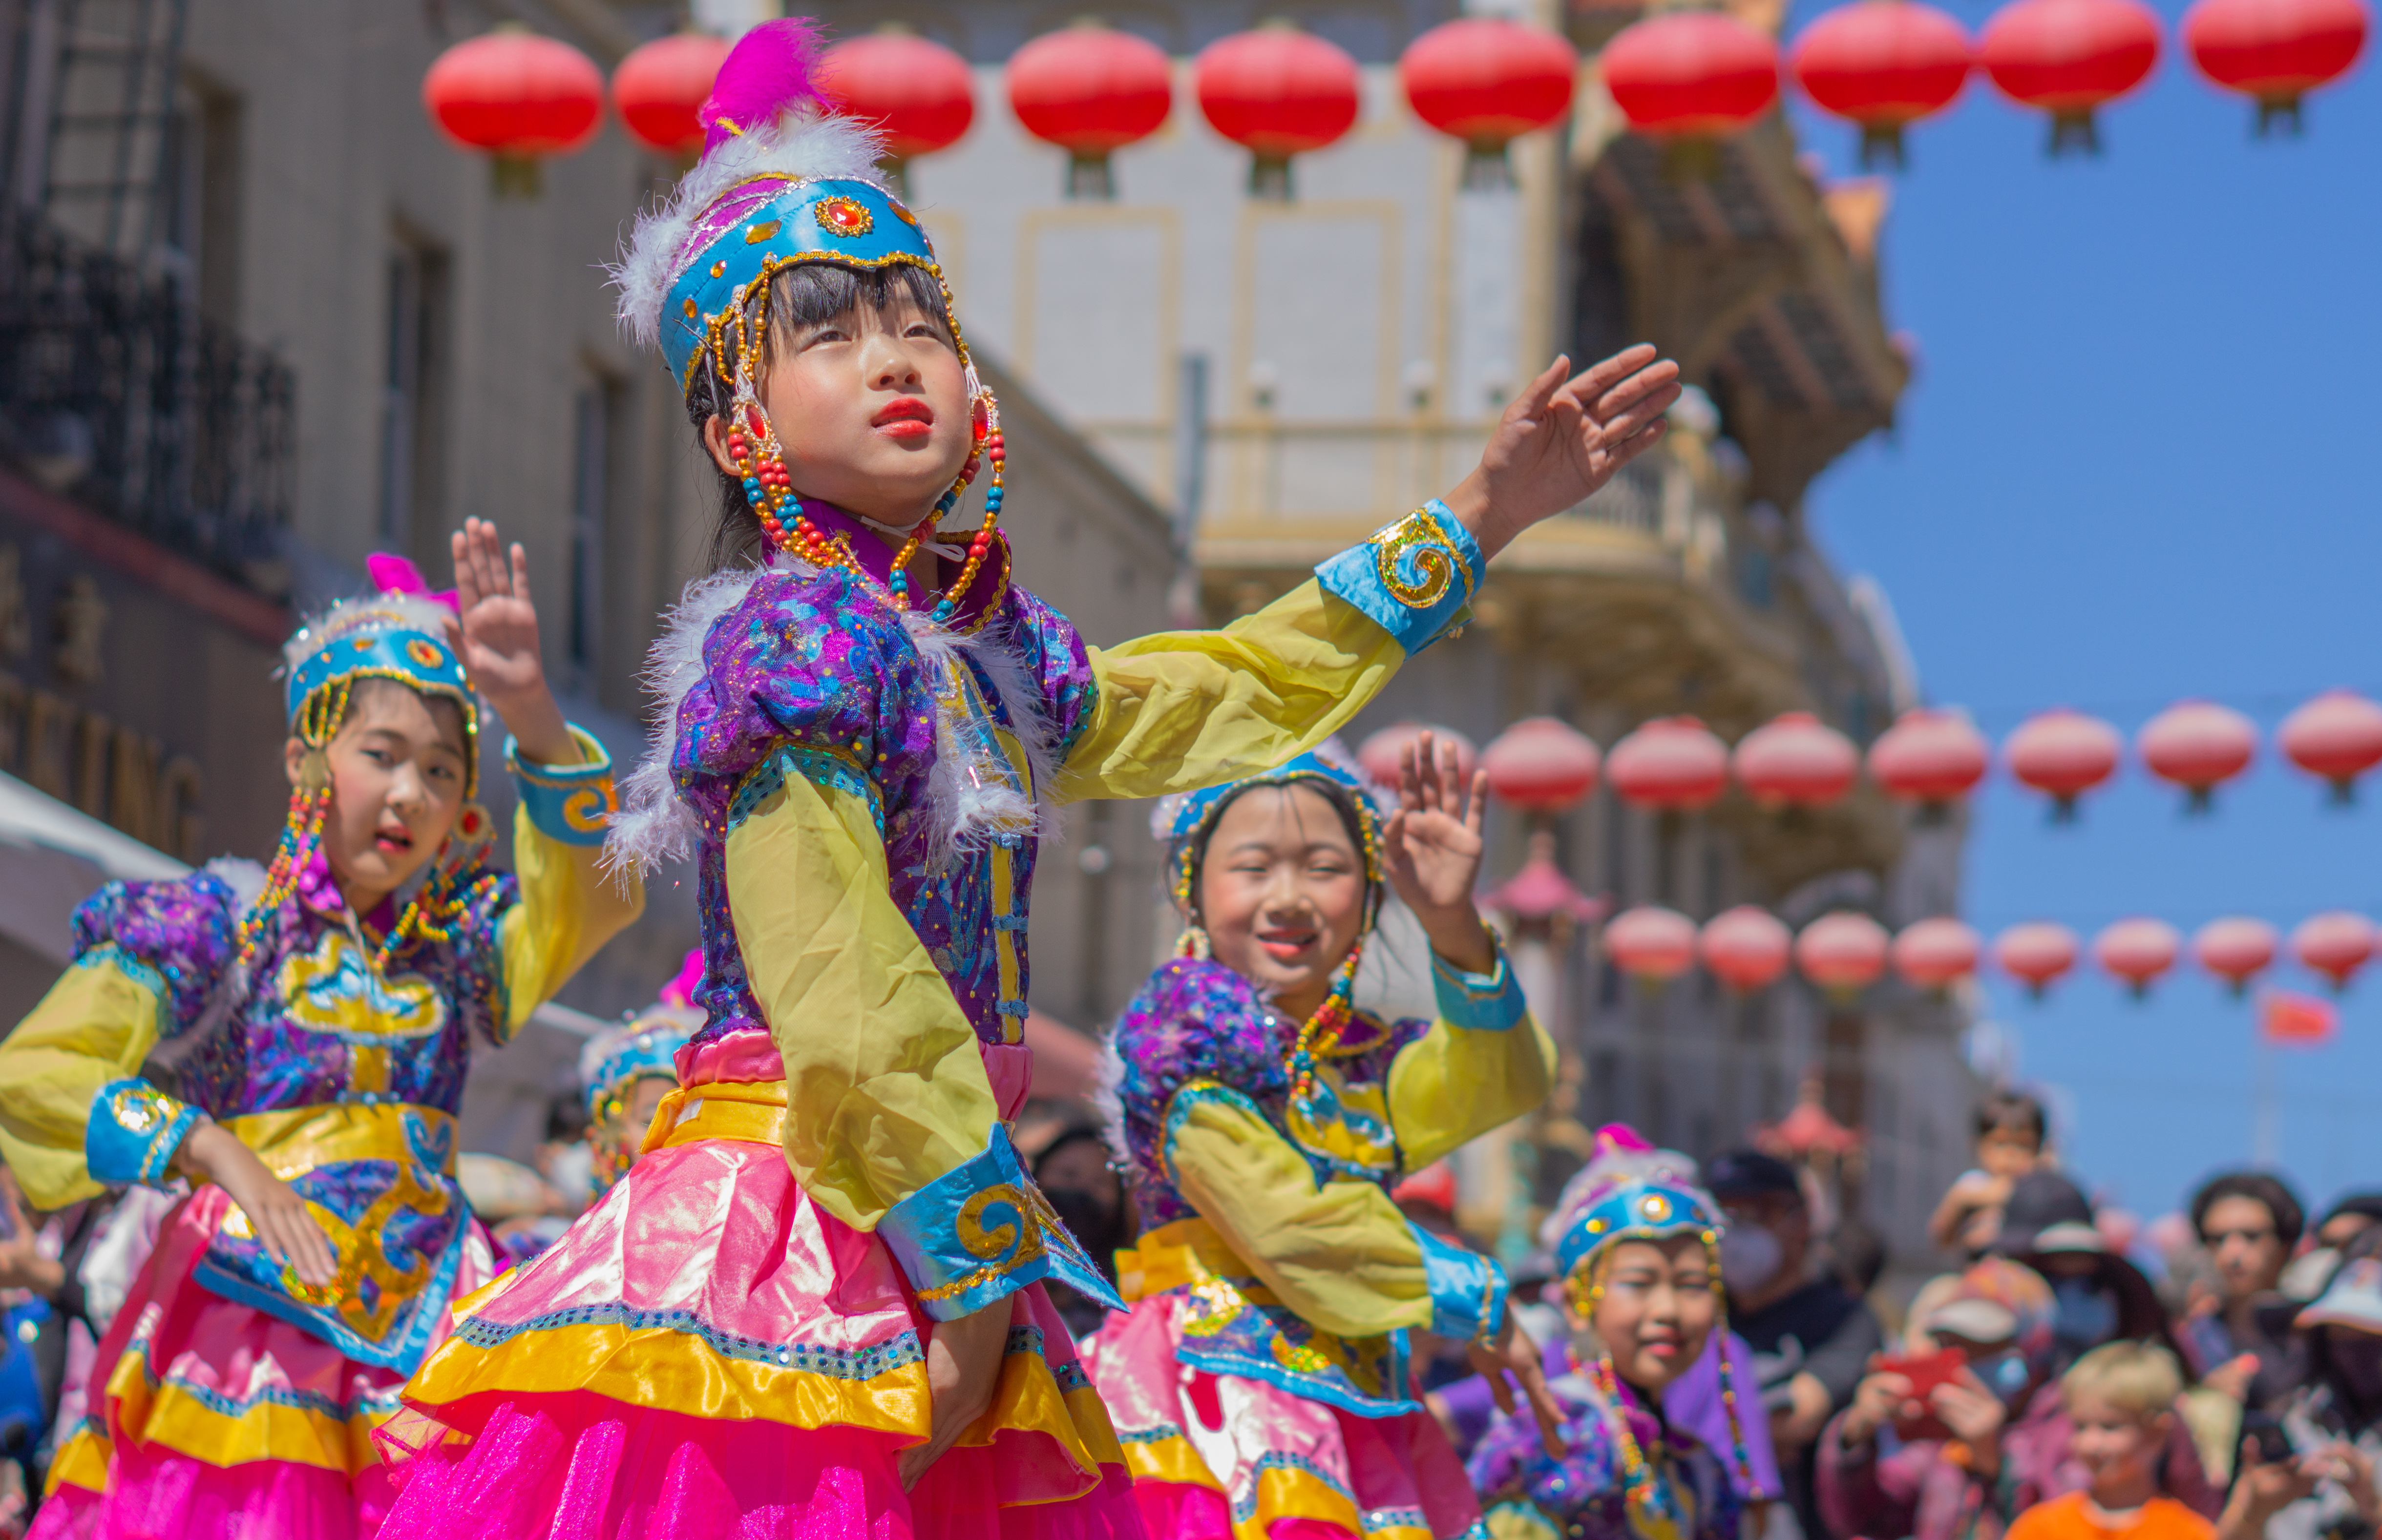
(133,1132)
(1468,1291)
(1483,1002)
(1414,577)
(982,1232)
(567,803)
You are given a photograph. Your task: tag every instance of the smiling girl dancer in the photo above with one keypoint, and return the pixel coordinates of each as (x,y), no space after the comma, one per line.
(324,1011)
(813,1306)
(1260,1382)
(1637,1245)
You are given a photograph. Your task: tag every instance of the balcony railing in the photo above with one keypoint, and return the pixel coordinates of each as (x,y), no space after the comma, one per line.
(114,391)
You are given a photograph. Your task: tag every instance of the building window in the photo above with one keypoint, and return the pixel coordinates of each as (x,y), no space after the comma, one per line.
(595,431)
(411,448)
(202,190)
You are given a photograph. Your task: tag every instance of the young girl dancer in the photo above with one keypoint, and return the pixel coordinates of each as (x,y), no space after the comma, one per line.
(626,1072)
(1262,1377)
(321,1012)
(1638,1254)
(811,1306)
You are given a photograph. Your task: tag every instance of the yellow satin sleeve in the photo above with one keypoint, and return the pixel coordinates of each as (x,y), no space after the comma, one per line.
(95,1025)
(885,1088)
(1185,709)
(1453,1085)
(1340,1255)
(570,906)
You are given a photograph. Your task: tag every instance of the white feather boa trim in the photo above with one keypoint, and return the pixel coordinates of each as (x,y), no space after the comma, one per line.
(970,798)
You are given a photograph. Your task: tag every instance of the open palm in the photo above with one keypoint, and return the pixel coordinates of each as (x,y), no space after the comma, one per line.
(1561,439)
(497,636)
(1431,845)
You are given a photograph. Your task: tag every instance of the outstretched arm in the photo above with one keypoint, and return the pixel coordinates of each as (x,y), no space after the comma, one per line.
(1562,438)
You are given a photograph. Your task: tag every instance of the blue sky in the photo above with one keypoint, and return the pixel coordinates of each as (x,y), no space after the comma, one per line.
(2138,464)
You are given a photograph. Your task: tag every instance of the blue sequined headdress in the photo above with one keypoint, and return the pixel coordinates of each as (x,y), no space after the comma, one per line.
(782,180)
(1183,820)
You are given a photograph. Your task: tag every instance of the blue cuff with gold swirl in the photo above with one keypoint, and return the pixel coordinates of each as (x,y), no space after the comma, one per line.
(1468,1291)
(1415,576)
(569,804)
(983,1230)
(133,1132)
(1484,1002)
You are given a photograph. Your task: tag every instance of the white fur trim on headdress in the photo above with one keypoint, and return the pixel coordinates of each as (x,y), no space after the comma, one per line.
(801,143)
(411,612)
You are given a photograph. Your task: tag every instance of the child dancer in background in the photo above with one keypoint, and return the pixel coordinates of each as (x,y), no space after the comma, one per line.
(1639,1256)
(1262,1377)
(627,1071)
(325,1009)
(813,1307)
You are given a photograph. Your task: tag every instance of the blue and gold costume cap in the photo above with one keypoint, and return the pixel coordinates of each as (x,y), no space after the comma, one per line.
(1628,1190)
(398,633)
(1184,819)
(782,180)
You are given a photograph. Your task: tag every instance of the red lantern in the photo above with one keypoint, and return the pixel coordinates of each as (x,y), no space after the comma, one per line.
(2276,51)
(1381,755)
(2063,753)
(917,93)
(2137,951)
(1796,761)
(1541,765)
(1936,954)
(517,96)
(1651,943)
(1844,953)
(2235,950)
(2338,736)
(2070,57)
(1277,92)
(2335,944)
(1091,90)
(1746,947)
(1671,765)
(661,85)
(1882,64)
(1930,757)
(2037,954)
(2199,746)
(1487,80)
(1691,74)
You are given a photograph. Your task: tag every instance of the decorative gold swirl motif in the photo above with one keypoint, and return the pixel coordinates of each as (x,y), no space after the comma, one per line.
(589,810)
(1419,539)
(1014,1239)
(336,989)
(138,1110)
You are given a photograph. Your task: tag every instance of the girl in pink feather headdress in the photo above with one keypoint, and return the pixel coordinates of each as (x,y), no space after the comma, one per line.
(814,1305)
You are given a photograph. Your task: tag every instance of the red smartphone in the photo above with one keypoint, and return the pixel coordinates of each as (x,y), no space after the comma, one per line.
(1924,1372)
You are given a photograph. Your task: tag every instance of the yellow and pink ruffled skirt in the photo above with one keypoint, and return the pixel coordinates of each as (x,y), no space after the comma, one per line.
(1226,1457)
(707,1352)
(214,1420)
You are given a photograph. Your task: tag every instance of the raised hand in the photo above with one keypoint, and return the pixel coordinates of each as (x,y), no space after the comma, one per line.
(495,636)
(1432,850)
(1561,439)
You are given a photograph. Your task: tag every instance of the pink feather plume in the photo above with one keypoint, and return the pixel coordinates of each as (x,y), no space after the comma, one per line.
(394,574)
(773,69)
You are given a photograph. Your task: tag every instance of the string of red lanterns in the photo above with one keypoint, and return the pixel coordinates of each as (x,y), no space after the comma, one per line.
(1843,952)
(1930,757)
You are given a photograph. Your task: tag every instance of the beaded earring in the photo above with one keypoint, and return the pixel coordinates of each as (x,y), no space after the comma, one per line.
(1193,943)
(759,458)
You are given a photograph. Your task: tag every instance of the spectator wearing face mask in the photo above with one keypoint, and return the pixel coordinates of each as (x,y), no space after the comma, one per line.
(2333,1420)
(2249,1222)
(2097,1296)
(2350,1216)
(1811,1336)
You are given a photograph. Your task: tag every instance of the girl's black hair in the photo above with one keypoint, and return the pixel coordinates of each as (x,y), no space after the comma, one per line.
(803,295)
(1343,801)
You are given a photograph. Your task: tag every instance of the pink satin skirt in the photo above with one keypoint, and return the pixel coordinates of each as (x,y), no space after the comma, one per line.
(1222,1457)
(214,1420)
(708,1352)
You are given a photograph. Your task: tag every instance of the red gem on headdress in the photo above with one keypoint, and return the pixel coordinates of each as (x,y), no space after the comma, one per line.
(843,217)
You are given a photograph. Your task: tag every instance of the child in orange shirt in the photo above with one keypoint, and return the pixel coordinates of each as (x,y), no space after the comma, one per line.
(2121,1398)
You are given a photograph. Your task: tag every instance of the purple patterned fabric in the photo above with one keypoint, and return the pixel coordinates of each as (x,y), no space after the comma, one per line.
(316,1014)
(1198,1019)
(1582,1494)
(814,661)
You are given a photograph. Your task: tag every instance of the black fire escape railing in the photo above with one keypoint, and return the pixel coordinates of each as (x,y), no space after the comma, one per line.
(116,392)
